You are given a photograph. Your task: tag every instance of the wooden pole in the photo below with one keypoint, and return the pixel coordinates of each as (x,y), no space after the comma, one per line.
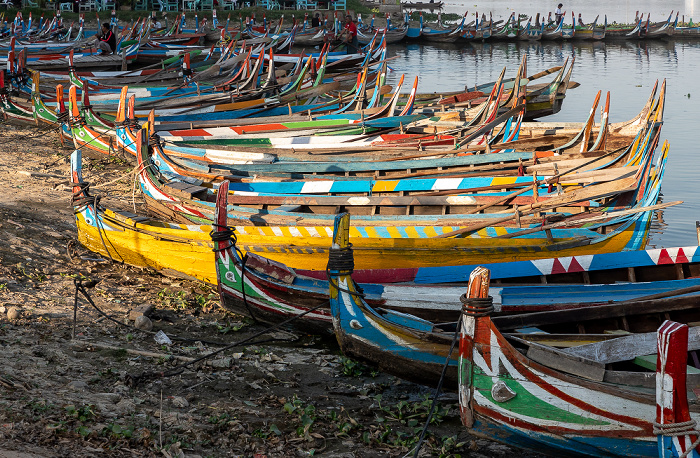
(672,412)
(478,288)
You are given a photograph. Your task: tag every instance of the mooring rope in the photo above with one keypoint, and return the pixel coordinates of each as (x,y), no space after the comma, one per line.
(678,429)
(224,233)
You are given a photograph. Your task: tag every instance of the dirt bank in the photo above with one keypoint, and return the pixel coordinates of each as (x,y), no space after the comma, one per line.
(282,395)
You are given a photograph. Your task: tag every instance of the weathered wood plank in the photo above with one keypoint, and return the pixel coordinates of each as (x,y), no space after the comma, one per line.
(627,347)
(271,268)
(559,360)
(649,362)
(626,308)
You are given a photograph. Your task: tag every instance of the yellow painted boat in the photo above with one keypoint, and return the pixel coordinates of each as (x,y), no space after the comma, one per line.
(187,249)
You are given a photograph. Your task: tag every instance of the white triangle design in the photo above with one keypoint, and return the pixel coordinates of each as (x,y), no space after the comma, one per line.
(655,255)
(544,265)
(585,261)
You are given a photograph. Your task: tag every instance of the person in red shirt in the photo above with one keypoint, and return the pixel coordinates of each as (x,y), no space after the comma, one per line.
(106,42)
(349,35)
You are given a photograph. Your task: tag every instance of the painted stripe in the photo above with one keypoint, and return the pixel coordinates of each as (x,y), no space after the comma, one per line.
(317,187)
(446,184)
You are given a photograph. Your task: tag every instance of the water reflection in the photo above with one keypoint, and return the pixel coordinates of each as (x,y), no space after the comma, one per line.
(620,11)
(628,69)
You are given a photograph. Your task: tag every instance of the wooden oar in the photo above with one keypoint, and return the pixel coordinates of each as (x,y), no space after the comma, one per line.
(540,182)
(592,192)
(593,219)
(486,127)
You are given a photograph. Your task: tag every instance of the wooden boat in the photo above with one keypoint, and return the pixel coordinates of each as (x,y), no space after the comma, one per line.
(456,164)
(391,36)
(591,31)
(397,343)
(443,34)
(582,393)
(150,243)
(275,292)
(662,30)
(509,30)
(560,31)
(625,31)
(267,196)
(86,60)
(416,348)
(541,100)
(482,29)
(311,37)
(422,5)
(529,33)
(184,202)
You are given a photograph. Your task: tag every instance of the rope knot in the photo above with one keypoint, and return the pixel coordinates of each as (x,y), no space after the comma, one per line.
(476,307)
(341,260)
(223,233)
(81,196)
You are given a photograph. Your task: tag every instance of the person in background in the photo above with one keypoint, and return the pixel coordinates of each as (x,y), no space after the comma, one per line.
(155,23)
(349,35)
(106,42)
(315,21)
(558,14)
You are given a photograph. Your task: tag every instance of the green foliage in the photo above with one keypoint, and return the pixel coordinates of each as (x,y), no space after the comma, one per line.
(181,300)
(221,419)
(84,431)
(176,300)
(116,431)
(344,424)
(400,424)
(448,446)
(266,432)
(305,416)
(352,368)
(39,406)
(82,413)
(34,276)
(410,413)
(229,327)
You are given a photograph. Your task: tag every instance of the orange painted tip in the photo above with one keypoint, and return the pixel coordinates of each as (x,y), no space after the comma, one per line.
(539,154)
(73,101)
(122,104)
(130,107)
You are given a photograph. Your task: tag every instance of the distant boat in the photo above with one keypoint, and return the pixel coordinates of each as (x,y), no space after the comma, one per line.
(422,5)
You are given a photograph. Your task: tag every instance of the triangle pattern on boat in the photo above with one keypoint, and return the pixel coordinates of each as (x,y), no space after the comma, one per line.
(544,265)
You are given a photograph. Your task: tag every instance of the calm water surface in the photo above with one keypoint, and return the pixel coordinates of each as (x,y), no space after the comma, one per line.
(628,70)
(618,11)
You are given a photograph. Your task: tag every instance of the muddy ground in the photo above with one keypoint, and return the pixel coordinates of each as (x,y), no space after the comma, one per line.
(280,395)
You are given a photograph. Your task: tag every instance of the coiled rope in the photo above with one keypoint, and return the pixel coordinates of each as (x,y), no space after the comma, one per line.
(476,307)
(224,233)
(678,429)
(341,261)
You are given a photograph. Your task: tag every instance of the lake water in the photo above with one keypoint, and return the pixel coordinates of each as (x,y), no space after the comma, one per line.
(618,11)
(627,69)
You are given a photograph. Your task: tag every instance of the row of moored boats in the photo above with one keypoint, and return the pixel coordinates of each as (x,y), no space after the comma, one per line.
(314,193)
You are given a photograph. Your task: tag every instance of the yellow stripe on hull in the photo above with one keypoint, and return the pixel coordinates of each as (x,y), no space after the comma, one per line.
(188,249)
